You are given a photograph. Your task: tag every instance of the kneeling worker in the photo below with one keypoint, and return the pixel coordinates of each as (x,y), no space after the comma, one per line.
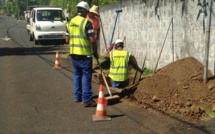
(119,61)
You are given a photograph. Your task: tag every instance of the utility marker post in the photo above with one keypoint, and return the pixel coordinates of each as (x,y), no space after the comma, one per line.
(207,42)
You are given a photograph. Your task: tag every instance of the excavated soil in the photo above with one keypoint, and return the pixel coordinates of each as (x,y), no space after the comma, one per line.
(176,90)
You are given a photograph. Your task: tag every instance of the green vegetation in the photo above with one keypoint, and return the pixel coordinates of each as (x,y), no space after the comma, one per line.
(147,72)
(17,7)
(70,5)
(101,58)
(210,113)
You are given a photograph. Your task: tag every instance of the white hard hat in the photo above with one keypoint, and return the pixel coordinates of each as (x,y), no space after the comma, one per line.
(118,41)
(84,5)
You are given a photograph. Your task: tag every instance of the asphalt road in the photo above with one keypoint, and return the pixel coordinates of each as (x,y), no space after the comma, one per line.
(37,99)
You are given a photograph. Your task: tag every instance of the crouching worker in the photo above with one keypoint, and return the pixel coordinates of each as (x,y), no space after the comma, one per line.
(119,61)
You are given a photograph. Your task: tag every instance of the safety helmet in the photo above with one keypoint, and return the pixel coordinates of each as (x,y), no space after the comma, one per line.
(119,43)
(83,5)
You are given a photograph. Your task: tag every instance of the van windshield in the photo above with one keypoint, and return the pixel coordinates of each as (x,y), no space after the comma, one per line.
(50,15)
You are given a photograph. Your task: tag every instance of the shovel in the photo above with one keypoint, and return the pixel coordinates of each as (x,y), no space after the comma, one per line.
(111,99)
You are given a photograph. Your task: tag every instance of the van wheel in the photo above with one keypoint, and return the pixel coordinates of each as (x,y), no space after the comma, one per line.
(36,42)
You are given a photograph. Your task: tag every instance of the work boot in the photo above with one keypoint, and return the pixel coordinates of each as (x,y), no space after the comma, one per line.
(90,103)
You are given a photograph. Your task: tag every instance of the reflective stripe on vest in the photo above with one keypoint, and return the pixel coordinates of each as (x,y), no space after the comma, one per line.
(79,43)
(119,65)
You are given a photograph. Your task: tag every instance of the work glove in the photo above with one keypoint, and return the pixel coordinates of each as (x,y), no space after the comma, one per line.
(111,47)
(96,55)
(142,70)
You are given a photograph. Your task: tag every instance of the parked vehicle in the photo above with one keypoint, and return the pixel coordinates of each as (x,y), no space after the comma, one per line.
(47,23)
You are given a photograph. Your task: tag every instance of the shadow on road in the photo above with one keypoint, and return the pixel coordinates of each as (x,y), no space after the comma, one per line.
(37,51)
(27,51)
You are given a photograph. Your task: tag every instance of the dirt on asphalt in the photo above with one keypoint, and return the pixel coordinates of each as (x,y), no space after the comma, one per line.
(176,89)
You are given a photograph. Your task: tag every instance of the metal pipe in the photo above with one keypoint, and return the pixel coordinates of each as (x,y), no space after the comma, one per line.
(173,47)
(207,42)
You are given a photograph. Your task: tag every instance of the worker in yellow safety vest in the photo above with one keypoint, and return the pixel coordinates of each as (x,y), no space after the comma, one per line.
(82,47)
(119,61)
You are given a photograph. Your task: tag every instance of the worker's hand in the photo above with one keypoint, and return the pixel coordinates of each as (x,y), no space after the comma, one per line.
(67,39)
(111,47)
(96,55)
(142,70)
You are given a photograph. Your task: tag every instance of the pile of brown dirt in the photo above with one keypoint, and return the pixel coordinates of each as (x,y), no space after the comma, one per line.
(178,90)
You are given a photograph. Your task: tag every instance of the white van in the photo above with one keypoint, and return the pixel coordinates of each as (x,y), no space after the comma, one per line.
(47,23)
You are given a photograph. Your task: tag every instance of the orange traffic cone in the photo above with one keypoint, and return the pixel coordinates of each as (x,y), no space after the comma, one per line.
(57,61)
(101,113)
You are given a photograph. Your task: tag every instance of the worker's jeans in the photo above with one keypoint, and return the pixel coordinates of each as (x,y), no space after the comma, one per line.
(119,84)
(82,78)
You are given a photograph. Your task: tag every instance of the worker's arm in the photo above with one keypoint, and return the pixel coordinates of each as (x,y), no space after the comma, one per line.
(108,51)
(133,62)
(94,47)
(67,37)
(107,54)
(98,33)
(90,34)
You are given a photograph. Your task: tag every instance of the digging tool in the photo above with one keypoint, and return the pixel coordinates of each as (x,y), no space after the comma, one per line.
(124,39)
(111,99)
(103,33)
(137,71)
(117,13)
(143,67)
(163,45)
(135,77)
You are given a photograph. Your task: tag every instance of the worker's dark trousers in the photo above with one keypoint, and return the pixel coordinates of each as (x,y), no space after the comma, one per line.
(82,78)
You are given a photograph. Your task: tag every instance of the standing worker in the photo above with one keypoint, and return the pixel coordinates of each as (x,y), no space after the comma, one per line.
(93,18)
(81,44)
(119,60)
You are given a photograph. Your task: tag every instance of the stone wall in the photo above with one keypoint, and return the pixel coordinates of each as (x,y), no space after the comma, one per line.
(144,31)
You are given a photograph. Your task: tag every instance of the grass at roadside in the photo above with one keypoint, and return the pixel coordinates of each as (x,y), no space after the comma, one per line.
(147,72)
(209,112)
(101,59)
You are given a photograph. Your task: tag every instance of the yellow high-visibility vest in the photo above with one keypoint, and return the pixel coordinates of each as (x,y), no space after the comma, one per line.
(79,42)
(119,65)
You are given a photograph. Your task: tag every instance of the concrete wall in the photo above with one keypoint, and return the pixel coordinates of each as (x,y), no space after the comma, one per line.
(145,32)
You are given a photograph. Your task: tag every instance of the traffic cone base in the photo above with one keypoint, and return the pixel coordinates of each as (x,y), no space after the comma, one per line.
(57,67)
(101,113)
(104,118)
